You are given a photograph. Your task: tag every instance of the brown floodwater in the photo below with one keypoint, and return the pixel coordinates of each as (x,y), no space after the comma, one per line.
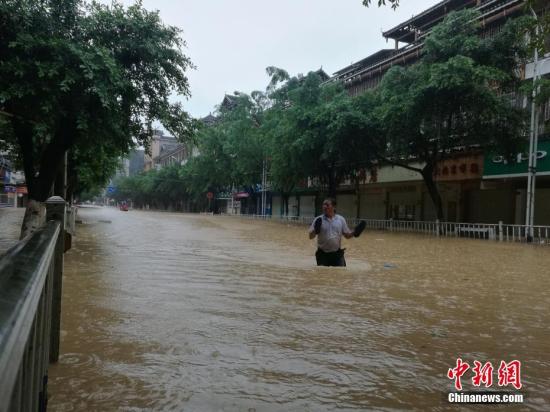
(166,311)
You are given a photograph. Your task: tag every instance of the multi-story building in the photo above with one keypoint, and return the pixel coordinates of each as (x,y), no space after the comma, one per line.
(179,154)
(474,187)
(160,145)
(409,37)
(166,150)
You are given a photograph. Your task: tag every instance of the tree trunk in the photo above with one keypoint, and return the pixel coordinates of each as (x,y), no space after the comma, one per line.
(51,160)
(60,180)
(285,204)
(35,217)
(51,163)
(72,180)
(35,213)
(427,175)
(331,183)
(357,198)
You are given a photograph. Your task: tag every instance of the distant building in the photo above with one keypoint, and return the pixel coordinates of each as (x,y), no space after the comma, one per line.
(160,145)
(136,162)
(229,101)
(209,120)
(178,155)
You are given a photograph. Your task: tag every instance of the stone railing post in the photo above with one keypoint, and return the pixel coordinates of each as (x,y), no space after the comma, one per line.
(500,231)
(55,210)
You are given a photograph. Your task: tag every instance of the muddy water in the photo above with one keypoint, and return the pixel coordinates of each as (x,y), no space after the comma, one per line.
(205,313)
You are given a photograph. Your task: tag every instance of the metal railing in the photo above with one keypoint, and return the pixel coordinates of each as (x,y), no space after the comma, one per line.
(489,231)
(30,310)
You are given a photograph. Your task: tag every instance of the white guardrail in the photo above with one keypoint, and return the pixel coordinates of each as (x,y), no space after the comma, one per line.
(490,231)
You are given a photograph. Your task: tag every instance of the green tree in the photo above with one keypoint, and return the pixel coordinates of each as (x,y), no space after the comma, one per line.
(394,3)
(76,74)
(90,168)
(346,134)
(231,152)
(169,189)
(317,131)
(214,168)
(240,128)
(142,189)
(456,98)
(287,147)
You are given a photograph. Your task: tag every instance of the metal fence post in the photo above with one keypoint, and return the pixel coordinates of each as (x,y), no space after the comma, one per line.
(55,210)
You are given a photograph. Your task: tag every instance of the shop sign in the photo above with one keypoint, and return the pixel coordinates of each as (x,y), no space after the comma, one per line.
(391,174)
(224,195)
(497,166)
(460,168)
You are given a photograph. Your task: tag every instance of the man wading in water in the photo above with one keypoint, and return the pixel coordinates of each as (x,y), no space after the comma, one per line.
(329,228)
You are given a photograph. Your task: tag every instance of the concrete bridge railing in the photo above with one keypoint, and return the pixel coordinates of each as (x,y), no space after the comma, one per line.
(30,313)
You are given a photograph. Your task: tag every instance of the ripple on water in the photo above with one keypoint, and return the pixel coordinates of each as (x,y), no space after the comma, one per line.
(79,359)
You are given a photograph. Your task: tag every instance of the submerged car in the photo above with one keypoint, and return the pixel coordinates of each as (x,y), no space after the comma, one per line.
(124,207)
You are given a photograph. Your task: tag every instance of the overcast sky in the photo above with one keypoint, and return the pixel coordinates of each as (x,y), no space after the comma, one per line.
(232,41)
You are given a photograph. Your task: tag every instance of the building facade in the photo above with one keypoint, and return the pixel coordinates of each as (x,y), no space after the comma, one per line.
(474,186)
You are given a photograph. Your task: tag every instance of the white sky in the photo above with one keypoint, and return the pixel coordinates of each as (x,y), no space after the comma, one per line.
(232,41)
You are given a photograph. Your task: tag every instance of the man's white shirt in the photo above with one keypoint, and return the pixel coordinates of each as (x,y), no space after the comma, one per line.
(332,229)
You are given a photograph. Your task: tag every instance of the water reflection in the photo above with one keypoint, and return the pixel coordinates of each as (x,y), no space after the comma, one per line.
(184,312)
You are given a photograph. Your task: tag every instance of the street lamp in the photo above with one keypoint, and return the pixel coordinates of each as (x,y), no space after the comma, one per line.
(533,143)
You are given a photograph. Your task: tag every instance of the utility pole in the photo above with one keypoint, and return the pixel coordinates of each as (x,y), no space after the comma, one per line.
(533,143)
(264,184)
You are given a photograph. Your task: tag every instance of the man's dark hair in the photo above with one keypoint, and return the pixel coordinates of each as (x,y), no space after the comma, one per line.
(331,200)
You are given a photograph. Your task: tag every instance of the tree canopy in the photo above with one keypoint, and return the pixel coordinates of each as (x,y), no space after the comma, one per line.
(457,97)
(88,77)
(394,3)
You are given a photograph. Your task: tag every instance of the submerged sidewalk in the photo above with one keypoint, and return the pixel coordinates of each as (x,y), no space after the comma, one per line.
(11,219)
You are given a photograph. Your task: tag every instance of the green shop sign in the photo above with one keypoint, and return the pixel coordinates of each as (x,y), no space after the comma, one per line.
(497,166)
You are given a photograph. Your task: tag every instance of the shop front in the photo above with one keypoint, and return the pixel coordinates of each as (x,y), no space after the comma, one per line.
(503,192)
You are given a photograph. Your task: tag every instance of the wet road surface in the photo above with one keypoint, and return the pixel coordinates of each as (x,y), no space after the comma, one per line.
(165,311)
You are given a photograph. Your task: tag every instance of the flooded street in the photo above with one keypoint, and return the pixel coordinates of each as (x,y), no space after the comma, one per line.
(167,311)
